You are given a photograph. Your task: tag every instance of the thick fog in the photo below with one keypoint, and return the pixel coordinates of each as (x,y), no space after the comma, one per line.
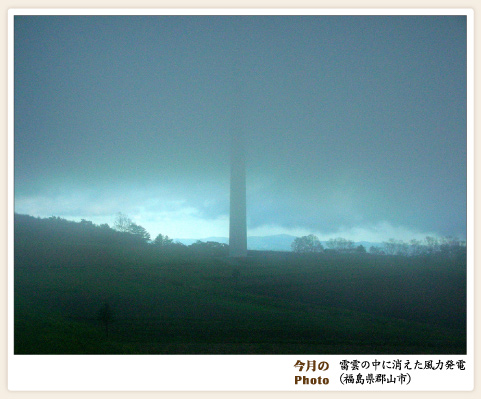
(355,126)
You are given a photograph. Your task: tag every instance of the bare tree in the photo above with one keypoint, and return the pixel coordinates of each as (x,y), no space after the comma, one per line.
(122,223)
(305,244)
(340,245)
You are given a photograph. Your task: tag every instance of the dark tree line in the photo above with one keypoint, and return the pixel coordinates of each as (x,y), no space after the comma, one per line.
(429,246)
(125,233)
(311,244)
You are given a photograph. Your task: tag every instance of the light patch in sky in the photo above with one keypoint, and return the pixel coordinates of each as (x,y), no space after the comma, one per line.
(177,219)
(174,218)
(182,223)
(378,233)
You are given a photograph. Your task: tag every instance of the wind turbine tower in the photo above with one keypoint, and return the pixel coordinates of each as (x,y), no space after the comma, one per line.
(237,225)
(237,221)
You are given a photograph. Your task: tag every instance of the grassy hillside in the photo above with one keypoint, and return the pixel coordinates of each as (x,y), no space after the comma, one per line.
(186,301)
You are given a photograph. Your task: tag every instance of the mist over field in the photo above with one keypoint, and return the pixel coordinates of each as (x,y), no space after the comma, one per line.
(81,288)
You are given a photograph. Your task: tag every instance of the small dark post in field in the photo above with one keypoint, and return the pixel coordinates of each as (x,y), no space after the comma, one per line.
(105,315)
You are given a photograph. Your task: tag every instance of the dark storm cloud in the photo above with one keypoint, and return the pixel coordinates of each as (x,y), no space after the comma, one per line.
(349,121)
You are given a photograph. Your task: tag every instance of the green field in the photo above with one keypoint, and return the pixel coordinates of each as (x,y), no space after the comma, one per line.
(270,303)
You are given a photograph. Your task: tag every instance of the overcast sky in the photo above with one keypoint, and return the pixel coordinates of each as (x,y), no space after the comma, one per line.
(355,125)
